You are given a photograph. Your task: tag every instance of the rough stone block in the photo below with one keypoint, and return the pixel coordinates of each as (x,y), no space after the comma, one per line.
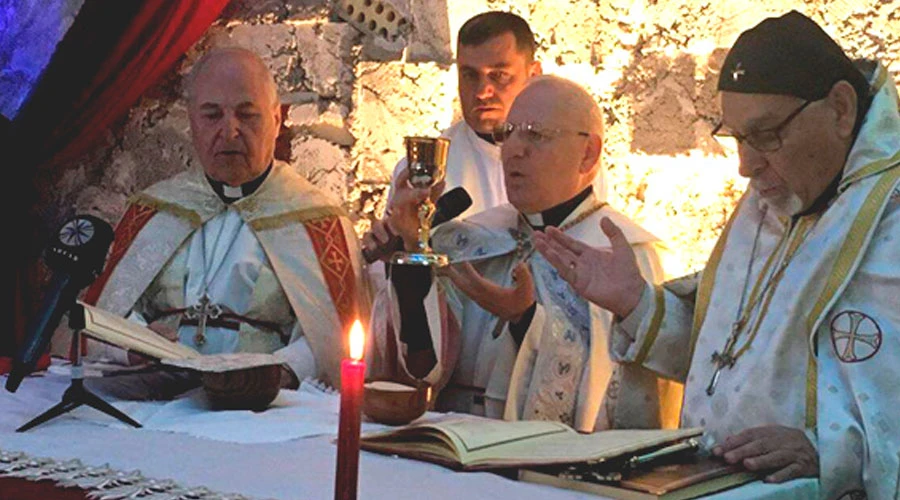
(254,11)
(323,163)
(326,58)
(273,11)
(105,204)
(151,150)
(430,38)
(276,44)
(328,123)
(394,100)
(305,10)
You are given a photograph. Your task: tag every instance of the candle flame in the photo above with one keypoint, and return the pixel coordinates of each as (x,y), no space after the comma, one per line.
(357,340)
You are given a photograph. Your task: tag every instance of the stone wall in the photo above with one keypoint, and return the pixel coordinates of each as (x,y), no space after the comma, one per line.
(349,99)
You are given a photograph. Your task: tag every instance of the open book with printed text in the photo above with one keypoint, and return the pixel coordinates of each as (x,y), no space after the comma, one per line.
(471,443)
(118,331)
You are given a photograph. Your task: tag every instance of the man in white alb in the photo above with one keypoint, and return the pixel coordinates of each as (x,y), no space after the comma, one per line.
(495,59)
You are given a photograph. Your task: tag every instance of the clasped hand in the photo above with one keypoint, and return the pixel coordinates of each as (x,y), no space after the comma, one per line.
(402,215)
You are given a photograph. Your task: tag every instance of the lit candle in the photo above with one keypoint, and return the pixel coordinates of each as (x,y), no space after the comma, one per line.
(353,372)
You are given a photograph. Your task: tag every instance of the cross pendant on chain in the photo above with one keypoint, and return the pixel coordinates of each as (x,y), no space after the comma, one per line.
(725,359)
(201,311)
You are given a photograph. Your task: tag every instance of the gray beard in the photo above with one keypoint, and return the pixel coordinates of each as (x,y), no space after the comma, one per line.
(784,207)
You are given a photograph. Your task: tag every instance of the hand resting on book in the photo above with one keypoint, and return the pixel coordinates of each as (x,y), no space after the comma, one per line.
(784,452)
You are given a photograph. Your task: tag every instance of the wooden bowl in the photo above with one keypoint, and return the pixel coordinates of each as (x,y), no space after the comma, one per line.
(242,389)
(393,403)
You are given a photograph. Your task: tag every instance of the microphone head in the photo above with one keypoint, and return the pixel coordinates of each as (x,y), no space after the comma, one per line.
(80,248)
(451,204)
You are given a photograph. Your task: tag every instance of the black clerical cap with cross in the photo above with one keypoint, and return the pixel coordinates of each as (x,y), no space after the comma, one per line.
(788,55)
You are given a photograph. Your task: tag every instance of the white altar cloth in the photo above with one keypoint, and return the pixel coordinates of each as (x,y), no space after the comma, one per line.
(295,469)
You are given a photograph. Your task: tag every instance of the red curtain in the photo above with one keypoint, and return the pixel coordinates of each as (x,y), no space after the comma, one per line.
(114,52)
(155,40)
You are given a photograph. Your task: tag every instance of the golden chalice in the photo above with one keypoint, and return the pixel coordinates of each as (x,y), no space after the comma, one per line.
(426,159)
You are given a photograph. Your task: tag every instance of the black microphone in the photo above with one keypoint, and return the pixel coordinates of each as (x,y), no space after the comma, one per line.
(448,206)
(76,258)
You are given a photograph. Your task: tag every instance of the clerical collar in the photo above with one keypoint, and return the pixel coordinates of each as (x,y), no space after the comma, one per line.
(230,194)
(554,216)
(486,137)
(824,199)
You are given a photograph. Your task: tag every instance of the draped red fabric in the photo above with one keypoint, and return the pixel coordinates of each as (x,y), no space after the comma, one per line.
(112,54)
(156,39)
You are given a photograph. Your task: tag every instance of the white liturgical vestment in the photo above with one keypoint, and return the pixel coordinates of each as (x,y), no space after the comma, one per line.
(817,302)
(563,370)
(285,259)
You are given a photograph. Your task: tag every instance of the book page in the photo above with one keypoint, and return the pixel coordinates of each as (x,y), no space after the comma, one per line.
(481,443)
(575,447)
(473,435)
(116,330)
(460,435)
(225,362)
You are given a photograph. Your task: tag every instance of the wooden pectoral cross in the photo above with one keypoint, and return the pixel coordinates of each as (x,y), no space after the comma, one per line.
(201,311)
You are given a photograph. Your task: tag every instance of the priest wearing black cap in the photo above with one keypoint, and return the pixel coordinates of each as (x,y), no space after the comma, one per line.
(789,343)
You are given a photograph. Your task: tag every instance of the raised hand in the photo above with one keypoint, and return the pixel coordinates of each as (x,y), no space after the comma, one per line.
(378,242)
(402,216)
(506,303)
(608,277)
(785,453)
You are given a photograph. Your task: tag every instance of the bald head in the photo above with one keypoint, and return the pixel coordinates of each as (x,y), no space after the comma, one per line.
(555,151)
(227,59)
(235,114)
(566,101)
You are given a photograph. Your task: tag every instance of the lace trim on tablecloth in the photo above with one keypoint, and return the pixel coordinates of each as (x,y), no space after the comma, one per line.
(103,482)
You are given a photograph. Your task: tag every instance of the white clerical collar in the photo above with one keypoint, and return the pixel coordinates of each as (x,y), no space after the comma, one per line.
(233,191)
(536,220)
(554,216)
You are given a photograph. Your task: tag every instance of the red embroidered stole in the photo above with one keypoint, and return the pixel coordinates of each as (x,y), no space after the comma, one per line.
(135,218)
(333,254)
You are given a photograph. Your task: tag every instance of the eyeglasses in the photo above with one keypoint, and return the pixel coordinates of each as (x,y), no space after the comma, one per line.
(531,132)
(764,141)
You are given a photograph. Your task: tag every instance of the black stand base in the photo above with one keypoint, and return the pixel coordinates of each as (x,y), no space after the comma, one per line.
(75,396)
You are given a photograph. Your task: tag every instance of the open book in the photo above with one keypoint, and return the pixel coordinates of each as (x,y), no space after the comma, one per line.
(687,479)
(118,331)
(471,443)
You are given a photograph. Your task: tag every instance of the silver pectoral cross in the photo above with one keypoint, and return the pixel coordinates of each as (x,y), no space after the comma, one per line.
(722,360)
(201,311)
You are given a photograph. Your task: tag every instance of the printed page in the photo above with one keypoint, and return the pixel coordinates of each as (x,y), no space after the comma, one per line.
(575,447)
(111,328)
(473,435)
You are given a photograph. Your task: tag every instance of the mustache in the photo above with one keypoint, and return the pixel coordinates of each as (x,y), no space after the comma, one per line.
(489,102)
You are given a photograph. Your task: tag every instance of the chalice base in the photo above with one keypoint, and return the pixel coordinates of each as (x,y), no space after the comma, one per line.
(420,259)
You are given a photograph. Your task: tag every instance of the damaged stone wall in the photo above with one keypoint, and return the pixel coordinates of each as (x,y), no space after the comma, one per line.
(349,100)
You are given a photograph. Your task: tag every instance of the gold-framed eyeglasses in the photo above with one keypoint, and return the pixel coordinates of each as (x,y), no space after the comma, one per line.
(764,141)
(532,132)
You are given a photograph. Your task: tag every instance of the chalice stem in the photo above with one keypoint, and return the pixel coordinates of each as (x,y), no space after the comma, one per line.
(426,211)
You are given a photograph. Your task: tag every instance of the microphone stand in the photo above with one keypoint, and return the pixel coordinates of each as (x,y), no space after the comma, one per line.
(76,395)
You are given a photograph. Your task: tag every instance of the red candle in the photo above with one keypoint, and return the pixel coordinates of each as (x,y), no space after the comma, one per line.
(353,372)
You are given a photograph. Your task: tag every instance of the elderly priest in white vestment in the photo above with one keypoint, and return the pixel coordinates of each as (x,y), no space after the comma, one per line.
(790,344)
(244,244)
(499,333)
